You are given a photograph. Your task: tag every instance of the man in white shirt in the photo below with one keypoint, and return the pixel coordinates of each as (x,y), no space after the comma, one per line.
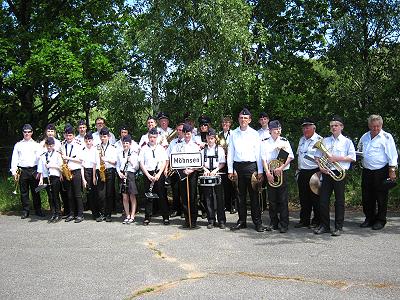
(71,154)
(264,130)
(244,160)
(106,189)
(82,129)
(153,159)
(379,161)
(101,123)
(152,123)
(277,149)
(307,167)
(341,153)
(50,131)
(24,162)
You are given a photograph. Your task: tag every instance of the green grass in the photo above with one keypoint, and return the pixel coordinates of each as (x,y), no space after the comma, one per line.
(11,202)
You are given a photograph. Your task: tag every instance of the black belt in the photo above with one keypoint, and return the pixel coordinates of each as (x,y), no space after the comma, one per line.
(110,170)
(28,168)
(76,171)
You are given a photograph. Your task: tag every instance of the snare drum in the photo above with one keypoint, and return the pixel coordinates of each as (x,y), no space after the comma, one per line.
(209,180)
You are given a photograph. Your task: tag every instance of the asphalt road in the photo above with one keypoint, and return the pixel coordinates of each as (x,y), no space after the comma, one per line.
(114,261)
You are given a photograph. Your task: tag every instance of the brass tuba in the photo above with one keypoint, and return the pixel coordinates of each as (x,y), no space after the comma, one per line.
(328,165)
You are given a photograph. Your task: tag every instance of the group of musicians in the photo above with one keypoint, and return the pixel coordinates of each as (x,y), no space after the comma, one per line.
(235,162)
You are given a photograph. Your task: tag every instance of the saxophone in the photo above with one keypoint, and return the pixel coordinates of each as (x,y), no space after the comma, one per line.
(102,168)
(65,170)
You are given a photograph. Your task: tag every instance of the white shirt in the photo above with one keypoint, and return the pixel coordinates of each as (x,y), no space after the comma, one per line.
(57,145)
(90,158)
(306,148)
(152,157)
(244,146)
(74,150)
(166,132)
(184,147)
(340,146)
(134,146)
(109,152)
(129,156)
(54,161)
(379,151)
(97,140)
(80,138)
(264,133)
(270,149)
(144,140)
(173,144)
(211,157)
(25,154)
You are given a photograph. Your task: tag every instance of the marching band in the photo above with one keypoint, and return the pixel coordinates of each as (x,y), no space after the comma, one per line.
(234,163)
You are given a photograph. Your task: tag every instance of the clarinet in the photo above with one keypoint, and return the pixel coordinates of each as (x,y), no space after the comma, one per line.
(124,185)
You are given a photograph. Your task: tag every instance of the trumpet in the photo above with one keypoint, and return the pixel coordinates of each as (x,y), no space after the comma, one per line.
(16,179)
(327,165)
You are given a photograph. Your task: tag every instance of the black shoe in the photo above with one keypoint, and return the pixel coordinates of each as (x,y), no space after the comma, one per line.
(146,222)
(233,211)
(204,215)
(260,228)
(166,222)
(57,219)
(210,226)
(366,223)
(239,226)
(108,219)
(174,214)
(301,224)
(337,232)
(78,219)
(40,214)
(195,226)
(69,219)
(52,219)
(283,230)
(268,228)
(321,230)
(378,226)
(222,225)
(24,214)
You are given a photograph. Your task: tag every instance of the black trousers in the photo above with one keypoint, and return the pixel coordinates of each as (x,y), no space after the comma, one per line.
(74,191)
(327,187)
(188,186)
(176,193)
(106,192)
(308,200)
(373,195)
(28,181)
(91,192)
(53,194)
(215,203)
(244,171)
(159,189)
(278,203)
(229,190)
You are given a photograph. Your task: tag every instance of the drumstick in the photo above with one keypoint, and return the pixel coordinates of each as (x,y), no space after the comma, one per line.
(188,201)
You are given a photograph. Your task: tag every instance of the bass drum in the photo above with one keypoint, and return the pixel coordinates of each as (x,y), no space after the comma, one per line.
(209,180)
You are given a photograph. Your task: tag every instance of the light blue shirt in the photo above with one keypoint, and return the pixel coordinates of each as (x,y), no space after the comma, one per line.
(379,151)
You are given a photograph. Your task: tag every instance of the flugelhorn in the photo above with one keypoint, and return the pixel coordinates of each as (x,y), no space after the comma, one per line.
(327,165)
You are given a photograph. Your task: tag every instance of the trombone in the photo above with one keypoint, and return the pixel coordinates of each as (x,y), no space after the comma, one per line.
(16,179)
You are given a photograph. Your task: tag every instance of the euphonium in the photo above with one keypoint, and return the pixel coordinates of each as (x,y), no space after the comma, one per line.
(17,176)
(327,165)
(65,170)
(102,168)
(272,165)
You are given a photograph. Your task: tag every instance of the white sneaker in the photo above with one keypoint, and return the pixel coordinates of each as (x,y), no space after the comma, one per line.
(131,221)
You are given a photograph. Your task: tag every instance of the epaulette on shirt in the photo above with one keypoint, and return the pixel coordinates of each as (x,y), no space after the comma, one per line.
(283,139)
(113,146)
(78,142)
(386,135)
(63,142)
(265,139)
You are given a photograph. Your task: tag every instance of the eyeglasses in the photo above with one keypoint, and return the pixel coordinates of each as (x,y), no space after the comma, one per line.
(27,131)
